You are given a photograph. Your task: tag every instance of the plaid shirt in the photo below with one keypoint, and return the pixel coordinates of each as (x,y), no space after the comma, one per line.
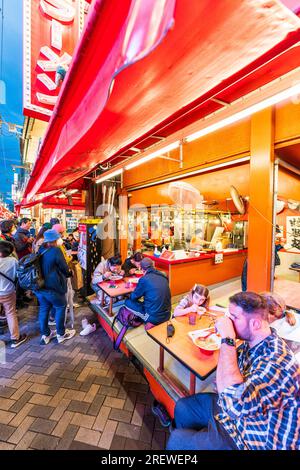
(263,413)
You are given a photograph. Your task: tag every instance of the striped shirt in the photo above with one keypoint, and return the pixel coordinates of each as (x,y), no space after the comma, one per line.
(263,413)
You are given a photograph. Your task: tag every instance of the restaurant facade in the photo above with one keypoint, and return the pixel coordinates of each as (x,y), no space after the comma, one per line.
(185,145)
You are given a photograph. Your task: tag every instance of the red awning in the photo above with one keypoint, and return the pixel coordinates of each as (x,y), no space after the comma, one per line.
(142,64)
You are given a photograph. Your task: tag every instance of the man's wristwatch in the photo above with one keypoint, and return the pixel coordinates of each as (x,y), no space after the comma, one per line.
(229,341)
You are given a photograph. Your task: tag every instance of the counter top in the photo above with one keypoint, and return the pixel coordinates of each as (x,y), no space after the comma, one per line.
(192,258)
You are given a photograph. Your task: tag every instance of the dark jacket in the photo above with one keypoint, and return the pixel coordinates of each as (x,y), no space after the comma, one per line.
(23,246)
(127,266)
(54,269)
(154,287)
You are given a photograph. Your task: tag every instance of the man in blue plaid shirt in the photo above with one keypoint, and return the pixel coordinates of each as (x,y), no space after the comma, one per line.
(258,402)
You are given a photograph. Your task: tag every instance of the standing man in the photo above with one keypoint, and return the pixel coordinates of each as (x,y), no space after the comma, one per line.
(23,238)
(258,402)
(155,290)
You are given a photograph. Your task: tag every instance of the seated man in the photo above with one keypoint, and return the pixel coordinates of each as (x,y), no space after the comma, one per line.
(132,263)
(155,290)
(258,402)
(104,271)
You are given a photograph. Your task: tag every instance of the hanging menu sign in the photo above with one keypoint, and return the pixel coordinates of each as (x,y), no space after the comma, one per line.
(51,32)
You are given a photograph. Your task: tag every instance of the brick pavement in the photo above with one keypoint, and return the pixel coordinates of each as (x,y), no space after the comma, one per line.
(77,395)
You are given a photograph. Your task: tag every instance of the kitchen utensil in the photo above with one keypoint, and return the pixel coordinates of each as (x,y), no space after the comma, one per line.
(237,200)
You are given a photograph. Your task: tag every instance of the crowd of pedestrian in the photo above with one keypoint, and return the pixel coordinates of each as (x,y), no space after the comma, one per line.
(53,248)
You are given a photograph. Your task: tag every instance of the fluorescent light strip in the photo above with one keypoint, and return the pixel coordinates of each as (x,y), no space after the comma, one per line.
(294,90)
(158,153)
(207,169)
(108,175)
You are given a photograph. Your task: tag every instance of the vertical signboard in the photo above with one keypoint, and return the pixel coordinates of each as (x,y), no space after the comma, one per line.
(51,32)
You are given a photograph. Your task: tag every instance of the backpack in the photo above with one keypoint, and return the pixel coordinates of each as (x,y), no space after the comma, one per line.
(29,272)
(127,319)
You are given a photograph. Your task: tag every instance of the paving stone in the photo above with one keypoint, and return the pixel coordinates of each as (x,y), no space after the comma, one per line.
(6,403)
(118,443)
(120,415)
(21,430)
(26,440)
(63,423)
(69,375)
(132,444)
(96,405)
(158,440)
(68,437)
(128,430)
(147,429)
(6,431)
(17,406)
(41,425)
(108,434)
(114,402)
(79,406)
(38,399)
(60,409)
(71,384)
(75,395)
(44,442)
(6,416)
(88,436)
(82,420)
(76,445)
(6,392)
(40,411)
(101,419)
(130,401)
(6,446)
(18,419)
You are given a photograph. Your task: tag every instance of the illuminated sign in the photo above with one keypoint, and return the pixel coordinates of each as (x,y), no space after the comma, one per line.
(51,32)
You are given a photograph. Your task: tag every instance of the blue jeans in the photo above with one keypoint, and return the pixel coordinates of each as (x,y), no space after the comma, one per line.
(196,427)
(50,300)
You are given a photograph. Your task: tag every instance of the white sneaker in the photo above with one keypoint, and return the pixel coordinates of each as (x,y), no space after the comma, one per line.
(84,323)
(88,329)
(68,335)
(46,339)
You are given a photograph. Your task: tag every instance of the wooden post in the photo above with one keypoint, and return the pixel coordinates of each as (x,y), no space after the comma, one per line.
(123,215)
(260,236)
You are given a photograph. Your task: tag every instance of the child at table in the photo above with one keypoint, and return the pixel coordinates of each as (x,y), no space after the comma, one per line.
(197,297)
(104,271)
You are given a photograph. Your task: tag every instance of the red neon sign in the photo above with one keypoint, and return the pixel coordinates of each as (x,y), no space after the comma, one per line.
(51,32)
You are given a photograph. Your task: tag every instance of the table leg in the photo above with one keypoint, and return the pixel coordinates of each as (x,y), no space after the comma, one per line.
(102,300)
(161,359)
(192,383)
(110,306)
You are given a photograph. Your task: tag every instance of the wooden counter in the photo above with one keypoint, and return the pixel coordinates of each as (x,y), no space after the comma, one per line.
(184,273)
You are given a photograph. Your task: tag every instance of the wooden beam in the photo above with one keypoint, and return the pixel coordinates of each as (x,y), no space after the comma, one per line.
(260,237)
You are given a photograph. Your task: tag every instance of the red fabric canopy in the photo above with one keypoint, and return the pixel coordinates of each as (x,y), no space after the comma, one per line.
(142,63)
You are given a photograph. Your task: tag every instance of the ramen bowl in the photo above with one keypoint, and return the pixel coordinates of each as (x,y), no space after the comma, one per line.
(207,341)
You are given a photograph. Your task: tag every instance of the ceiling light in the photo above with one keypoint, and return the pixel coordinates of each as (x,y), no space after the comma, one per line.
(283,95)
(109,175)
(152,155)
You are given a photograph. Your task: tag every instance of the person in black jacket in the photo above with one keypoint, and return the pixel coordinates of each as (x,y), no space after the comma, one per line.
(154,288)
(132,263)
(53,295)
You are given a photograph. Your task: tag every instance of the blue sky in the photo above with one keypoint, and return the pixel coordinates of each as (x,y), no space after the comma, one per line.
(11,111)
